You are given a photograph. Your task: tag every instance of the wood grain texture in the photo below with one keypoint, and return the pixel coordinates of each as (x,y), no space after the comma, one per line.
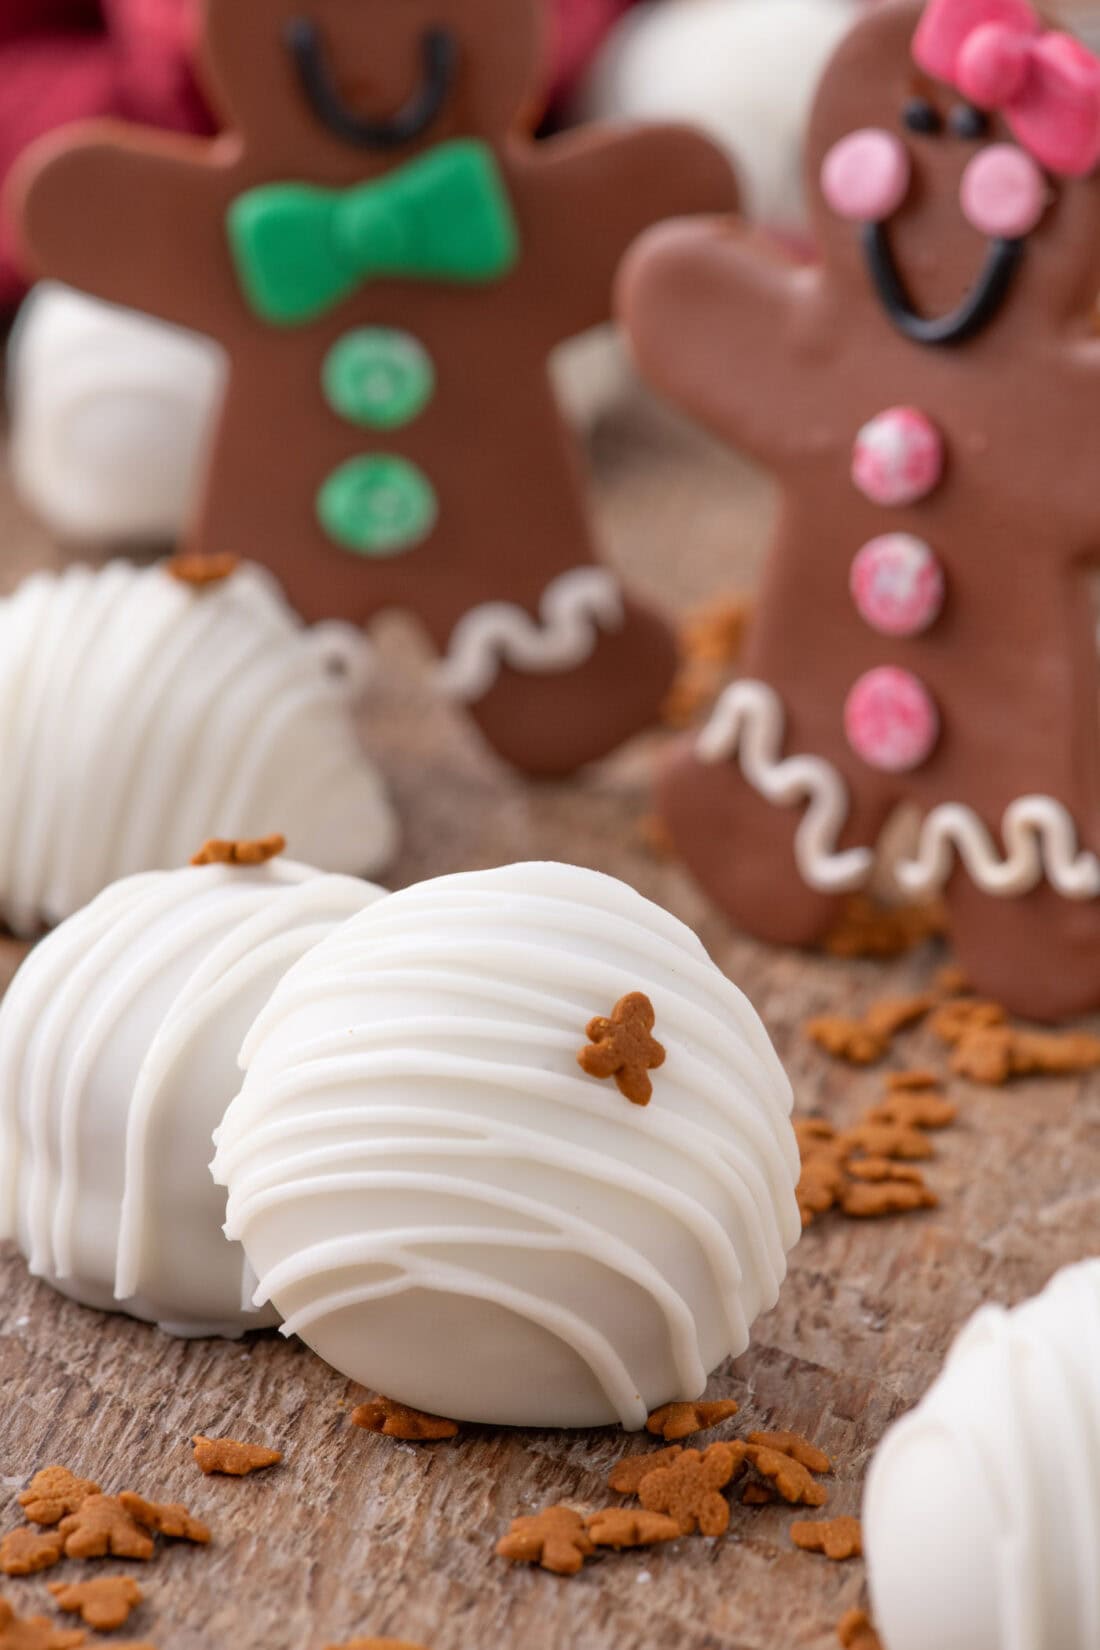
(358,1534)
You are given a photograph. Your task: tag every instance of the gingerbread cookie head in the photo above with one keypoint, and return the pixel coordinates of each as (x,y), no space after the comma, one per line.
(339,89)
(952,162)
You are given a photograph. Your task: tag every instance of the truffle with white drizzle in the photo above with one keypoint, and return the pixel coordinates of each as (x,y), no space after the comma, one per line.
(118,1054)
(140,715)
(982,1514)
(447,1208)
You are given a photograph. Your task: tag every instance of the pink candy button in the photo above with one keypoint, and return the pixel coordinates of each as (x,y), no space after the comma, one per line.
(891,720)
(1003,192)
(898,585)
(865,177)
(898,457)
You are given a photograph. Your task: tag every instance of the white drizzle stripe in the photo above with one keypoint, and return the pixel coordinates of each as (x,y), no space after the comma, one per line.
(748,723)
(121,1025)
(573,1236)
(1018,1405)
(1040,840)
(139,716)
(572,612)
(593,1348)
(427,1052)
(263,946)
(716,1157)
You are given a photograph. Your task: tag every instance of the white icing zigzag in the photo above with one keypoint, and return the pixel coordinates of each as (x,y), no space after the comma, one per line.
(573,609)
(748,722)
(1039,833)
(1040,838)
(118,1045)
(445,1207)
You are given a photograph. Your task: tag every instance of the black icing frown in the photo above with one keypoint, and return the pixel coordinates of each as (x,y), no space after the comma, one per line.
(439,57)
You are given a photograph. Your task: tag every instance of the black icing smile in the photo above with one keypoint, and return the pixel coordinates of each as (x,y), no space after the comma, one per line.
(439,54)
(980,306)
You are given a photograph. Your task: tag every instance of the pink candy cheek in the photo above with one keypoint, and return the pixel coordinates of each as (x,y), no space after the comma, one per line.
(865,177)
(1003,193)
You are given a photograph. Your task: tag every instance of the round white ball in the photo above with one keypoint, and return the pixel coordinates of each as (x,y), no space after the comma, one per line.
(111,416)
(445,1207)
(118,1055)
(746,71)
(981,1519)
(140,716)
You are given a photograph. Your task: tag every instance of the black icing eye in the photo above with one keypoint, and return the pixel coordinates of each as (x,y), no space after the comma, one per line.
(968,123)
(921,116)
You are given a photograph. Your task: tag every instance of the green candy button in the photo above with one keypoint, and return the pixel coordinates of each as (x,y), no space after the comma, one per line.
(378,377)
(377,506)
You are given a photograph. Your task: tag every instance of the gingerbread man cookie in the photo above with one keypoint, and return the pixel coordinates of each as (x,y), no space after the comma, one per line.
(389,259)
(926,398)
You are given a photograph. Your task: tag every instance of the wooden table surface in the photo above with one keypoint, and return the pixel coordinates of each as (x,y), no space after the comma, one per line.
(357,1534)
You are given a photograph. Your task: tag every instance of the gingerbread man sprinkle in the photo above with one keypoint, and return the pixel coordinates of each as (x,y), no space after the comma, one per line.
(200,571)
(682,1420)
(399,1421)
(54,1492)
(34,1632)
(103,1604)
(690,1490)
(622,1047)
(234,1459)
(838,1538)
(24,1552)
(555,1538)
(257,851)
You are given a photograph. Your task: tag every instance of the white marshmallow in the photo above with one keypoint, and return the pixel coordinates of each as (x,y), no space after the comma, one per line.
(746,71)
(111,414)
(444,1206)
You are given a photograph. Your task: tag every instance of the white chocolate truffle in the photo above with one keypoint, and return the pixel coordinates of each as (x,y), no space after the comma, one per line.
(111,416)
(140,716)
(445,1207)
(982,1512)
(118,1055)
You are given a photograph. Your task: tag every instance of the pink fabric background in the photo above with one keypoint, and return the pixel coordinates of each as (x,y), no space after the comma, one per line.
(63,60)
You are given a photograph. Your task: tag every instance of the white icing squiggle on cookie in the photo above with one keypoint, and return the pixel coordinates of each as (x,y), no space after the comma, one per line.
(748,722)
(1040,840)
(573,609)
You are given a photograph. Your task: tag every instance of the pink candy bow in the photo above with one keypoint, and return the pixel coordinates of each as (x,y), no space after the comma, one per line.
(1045,84)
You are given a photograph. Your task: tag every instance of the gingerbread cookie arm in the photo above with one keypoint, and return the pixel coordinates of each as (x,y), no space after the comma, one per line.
(710,312)
(107,208)
(592,192)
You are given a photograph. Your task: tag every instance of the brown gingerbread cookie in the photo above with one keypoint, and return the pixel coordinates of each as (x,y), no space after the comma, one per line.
(926,398)
(389,260)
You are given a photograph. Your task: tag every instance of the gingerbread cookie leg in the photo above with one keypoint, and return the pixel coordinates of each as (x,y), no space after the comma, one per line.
(554,690)
(778,840)
(1059,937)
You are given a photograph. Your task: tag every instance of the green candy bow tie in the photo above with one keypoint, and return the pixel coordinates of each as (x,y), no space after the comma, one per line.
(445,216)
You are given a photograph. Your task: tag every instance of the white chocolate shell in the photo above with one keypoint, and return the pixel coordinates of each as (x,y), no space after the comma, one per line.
(445,1207)
(140,716)
(118,1055)
(982,1513)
